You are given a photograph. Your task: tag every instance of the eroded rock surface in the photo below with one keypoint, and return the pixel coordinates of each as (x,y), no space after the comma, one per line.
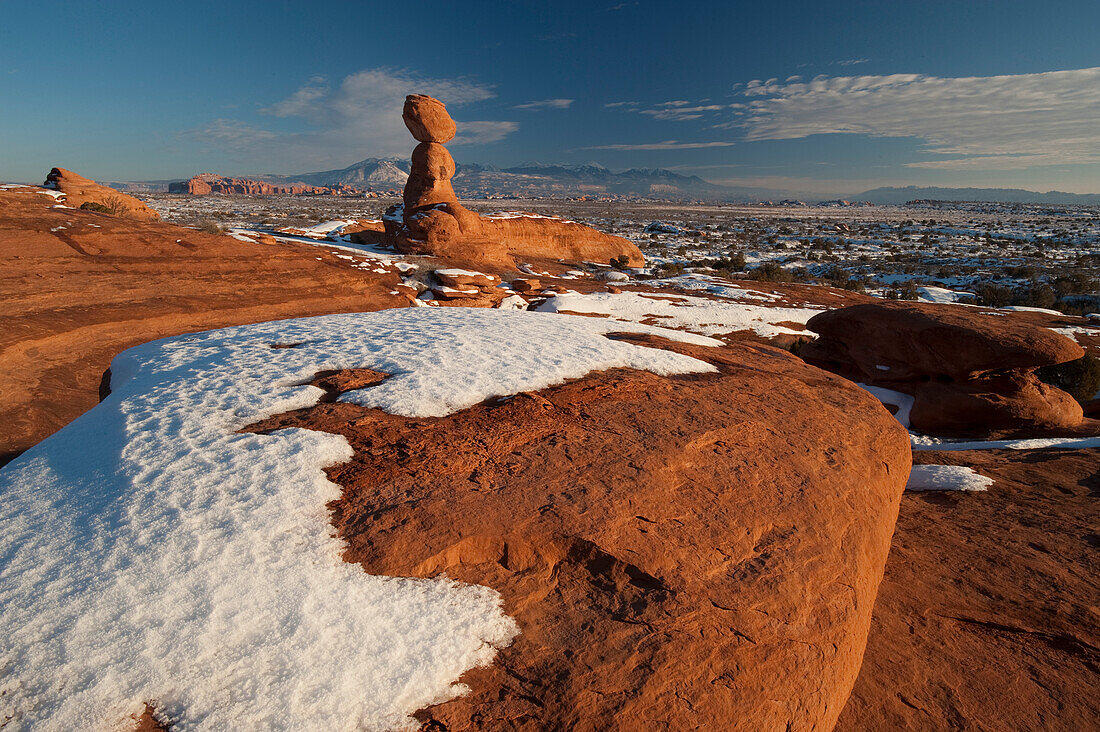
(970,371)
(79,191)
(987,618)
(680,552)
(80,286)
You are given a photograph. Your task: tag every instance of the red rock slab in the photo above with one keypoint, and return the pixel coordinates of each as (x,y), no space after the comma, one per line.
(691,552)
(79,190)
(935,339)
(80,286)
(989,615)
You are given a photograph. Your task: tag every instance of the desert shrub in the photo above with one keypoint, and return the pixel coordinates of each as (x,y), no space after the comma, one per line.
(668,269)
(837,277)
(1080,378)
(1036,296)
(771,272)
(996,296)
(210,227)
(94,206)
(1075,283)
(904,291)
(1079,304)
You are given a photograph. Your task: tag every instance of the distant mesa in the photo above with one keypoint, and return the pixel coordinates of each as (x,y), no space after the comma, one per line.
(970,372)
(207,183)
(431,221)
(80,192)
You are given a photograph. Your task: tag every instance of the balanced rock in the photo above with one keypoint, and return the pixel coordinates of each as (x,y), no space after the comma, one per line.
(79,191)
(427,119)
(431,221)
(696,552)
(970,371)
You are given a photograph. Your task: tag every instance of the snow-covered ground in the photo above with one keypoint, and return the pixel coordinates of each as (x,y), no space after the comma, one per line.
(696,314)
(153,553)
(946,478)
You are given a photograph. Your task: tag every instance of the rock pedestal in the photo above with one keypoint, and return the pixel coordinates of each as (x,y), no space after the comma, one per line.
(430,220)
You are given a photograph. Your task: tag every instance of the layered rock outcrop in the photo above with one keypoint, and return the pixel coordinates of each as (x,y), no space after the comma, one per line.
(207,183)
(970,371)
(81,286)
(80,191)
(432,221)
(688,552)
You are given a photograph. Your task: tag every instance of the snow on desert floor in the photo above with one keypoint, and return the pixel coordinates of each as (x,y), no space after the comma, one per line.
(153,553)
(697,314)
(946,478)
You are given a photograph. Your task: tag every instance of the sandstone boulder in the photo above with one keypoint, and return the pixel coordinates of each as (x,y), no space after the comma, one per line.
(693,552)
(427,119)
(79,190)
(465,278)
(1001,404)
(526,284)
(937,339)
(971,372)
(433,160)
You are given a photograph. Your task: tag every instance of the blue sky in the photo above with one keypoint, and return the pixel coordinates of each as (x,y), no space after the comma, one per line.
(810,96)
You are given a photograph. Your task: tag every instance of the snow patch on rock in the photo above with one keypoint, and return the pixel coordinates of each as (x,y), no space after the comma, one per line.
(154,553)
(946,478)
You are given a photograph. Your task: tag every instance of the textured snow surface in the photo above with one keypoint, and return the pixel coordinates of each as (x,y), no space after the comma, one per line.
(923,442)
(150,552)
(946,478)
(696,314)
(929,293)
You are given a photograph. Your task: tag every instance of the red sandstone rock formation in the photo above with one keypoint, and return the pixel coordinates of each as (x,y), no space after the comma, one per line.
(79,191)
(77,294)
(987,617)
(693,552)
(207,183)
(427,119)
(971,371)
(431,221)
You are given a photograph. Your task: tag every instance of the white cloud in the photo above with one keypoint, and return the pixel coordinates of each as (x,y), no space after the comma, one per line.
(231,134)
(360,117)
(680,112)
(546,104)
(989,123)
(666,145)
(300,102)
(482,132)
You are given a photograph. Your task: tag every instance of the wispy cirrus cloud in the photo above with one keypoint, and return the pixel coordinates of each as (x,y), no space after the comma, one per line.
(358,117)
(983,122)
(666,145)
(546,104)
(681,111)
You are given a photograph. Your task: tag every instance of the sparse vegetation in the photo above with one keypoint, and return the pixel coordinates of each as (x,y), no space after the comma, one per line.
(1080,378)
